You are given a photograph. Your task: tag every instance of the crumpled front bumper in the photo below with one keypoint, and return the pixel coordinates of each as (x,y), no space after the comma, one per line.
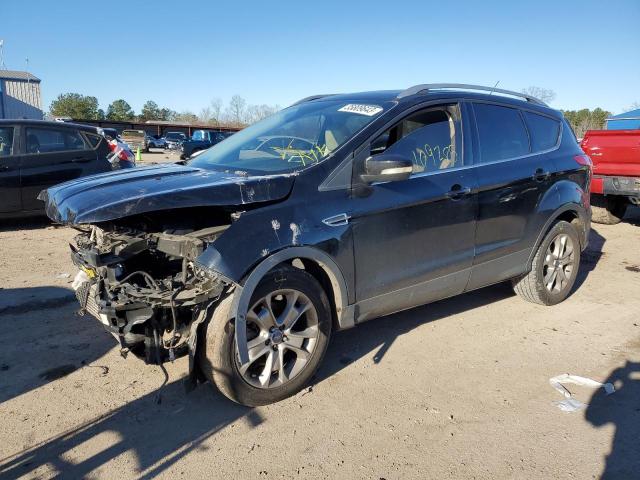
(117,320)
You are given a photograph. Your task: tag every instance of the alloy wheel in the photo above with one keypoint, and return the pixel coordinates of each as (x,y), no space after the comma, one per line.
(282,334)
(559,263)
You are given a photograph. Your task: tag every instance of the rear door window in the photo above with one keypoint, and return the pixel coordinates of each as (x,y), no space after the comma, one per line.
(501,131)
(544,131)
(6,141)
(47,140)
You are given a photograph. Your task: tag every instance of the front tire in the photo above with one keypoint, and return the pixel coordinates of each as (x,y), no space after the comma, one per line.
(554,267)
(288,330)
(607,209)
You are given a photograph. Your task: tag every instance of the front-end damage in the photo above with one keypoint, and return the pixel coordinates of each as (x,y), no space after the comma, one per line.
(145,287)
(142,232)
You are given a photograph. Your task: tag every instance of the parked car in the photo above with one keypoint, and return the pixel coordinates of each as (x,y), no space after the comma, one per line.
(136,139)
(616,172)
(36,154)
(201,140)
(174,140)
(248,259)
(156,141)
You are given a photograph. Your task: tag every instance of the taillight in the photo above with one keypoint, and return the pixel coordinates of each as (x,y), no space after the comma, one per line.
(583,160)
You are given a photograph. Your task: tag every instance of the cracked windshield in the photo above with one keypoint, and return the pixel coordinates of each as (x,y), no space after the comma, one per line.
(292,139)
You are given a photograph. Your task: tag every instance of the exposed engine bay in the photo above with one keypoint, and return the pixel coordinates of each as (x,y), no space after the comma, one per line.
(144,285)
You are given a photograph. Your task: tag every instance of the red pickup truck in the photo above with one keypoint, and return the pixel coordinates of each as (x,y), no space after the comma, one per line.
(616,172)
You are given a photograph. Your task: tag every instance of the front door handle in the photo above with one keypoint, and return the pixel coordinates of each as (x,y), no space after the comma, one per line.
(337,220)
(4,168)
(80,159)
(457,192)
(541,175)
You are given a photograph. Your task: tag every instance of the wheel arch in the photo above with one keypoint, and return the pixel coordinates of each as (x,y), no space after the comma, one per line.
(573,213)
(317,263)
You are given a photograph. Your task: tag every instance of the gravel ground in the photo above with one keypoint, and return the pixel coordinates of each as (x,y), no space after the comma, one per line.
(455,389)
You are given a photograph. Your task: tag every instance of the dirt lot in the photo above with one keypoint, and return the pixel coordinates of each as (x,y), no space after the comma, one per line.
(157,155)
(456,389)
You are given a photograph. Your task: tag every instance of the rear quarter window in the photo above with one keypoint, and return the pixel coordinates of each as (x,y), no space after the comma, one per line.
(501,131)
(544,131)
(94,140)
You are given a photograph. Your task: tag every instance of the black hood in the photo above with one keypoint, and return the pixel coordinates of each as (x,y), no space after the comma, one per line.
(133,191)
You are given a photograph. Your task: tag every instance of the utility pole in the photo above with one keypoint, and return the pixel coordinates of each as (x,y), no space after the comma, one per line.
(2,65)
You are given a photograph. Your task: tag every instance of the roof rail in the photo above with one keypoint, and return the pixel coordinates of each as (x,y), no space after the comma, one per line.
(312,97)
(424,88)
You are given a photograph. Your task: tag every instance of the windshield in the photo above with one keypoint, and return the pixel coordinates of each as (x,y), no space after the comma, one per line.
(291,139)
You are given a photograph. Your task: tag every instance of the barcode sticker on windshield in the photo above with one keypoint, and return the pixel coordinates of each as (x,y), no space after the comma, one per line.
(368,110)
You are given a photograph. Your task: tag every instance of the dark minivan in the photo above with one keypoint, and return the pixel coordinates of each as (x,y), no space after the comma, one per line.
(36,154)
(247,257)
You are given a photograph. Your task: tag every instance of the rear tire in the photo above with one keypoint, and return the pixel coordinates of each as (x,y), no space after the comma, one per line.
(554,267)
(607,209)
(218,359)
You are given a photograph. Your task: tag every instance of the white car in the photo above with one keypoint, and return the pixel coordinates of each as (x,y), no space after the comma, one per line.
(156,141)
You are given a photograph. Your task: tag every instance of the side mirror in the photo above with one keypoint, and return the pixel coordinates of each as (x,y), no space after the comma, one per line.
(387,168)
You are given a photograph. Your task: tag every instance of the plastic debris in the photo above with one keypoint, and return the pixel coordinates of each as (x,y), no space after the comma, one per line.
(80,278)
(570,404)
(63,275)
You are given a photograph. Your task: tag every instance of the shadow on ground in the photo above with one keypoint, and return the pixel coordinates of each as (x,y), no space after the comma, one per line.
(29,299)
(43,339)
(622,409)
(30,223)
(633,215)
(590,256)
(158,434)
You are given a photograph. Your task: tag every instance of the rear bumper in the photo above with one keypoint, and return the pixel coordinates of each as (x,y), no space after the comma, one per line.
(616,185)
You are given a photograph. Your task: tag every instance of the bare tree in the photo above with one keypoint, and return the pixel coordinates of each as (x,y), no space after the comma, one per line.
(545,94)
(216,111)
(186,116)
(236,110)
(258,112)
(237,113)
(205,115)
(633,106)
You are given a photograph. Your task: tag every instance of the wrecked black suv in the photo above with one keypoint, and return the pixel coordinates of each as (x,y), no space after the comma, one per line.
(334,211)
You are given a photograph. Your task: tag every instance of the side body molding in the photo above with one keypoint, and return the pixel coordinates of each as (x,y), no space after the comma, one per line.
(242,294)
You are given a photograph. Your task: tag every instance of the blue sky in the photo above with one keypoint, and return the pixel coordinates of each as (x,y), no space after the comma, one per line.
(183,54)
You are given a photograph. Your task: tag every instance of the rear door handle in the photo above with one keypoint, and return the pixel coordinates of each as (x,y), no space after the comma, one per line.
(457,192)
(4,168)
(541,175)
